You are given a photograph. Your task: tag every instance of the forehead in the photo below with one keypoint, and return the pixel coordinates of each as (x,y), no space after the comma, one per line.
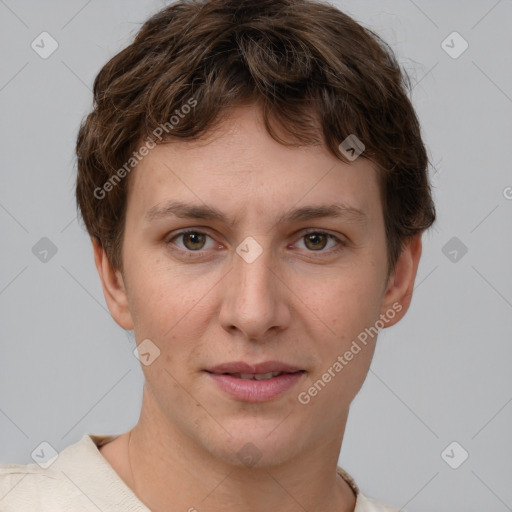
(240,167)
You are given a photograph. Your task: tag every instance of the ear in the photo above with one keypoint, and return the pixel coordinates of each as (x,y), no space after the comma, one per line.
(401,282)
(114,288)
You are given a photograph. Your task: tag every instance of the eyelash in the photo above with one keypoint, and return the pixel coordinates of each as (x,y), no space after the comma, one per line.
(341,243)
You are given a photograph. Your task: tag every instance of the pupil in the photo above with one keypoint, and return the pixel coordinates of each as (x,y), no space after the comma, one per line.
(195,239)
(316,236)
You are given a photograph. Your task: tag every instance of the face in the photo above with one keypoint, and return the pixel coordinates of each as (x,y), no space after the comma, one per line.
(274,260)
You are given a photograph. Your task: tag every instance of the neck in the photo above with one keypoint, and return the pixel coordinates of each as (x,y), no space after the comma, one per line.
(167,467)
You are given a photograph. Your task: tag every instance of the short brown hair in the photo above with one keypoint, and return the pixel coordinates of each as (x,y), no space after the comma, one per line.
(313,69)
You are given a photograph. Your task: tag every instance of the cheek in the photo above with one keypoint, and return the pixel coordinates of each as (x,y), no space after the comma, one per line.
(344,350)
(345,300)
(163,295)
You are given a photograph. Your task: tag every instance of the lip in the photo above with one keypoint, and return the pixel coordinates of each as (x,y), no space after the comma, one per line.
(243,367)
(250,390)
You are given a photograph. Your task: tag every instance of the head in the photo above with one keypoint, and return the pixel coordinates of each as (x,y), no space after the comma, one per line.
(236,111)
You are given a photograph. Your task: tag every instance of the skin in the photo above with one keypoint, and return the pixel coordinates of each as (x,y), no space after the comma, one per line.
(299,302)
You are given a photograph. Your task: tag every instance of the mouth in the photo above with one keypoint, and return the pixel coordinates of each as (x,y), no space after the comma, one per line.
(243,368)
(255,382)
(255,376)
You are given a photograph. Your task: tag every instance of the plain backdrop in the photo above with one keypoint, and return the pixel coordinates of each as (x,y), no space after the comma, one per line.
(441,376)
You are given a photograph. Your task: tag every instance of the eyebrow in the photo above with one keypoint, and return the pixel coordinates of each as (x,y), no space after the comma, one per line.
(198,211)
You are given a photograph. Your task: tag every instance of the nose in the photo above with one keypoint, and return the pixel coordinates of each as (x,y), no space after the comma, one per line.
(255,300)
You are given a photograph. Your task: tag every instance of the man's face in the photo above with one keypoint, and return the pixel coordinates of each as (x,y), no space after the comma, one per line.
(289,297)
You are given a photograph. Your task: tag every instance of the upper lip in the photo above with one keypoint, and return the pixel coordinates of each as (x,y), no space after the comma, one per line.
(256,368)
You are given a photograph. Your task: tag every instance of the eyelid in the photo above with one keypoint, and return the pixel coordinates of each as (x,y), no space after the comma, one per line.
(340,240)
(200,231)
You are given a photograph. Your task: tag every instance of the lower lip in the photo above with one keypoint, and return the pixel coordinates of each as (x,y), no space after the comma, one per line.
(251,390)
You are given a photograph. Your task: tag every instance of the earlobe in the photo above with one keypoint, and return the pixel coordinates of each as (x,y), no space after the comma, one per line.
(401,282)
(114,288)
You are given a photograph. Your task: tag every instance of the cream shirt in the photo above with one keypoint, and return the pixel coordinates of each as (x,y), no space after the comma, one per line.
(81,480)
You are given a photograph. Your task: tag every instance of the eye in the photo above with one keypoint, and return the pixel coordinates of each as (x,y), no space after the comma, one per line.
(316,241)
(193,241)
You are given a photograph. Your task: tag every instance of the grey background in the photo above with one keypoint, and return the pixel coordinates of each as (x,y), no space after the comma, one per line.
(441,375)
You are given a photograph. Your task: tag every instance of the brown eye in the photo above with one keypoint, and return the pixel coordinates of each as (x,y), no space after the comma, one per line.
(193,241)
(316,241)
(321,242)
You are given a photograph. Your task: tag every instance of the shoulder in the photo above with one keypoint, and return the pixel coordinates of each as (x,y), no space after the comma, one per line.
(58,487)
(23,487)
(366,504)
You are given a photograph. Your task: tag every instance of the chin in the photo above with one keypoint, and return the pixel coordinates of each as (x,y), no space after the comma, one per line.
(256,444)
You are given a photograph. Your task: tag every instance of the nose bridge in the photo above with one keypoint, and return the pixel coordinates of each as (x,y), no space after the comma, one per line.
(253,301)
(252,268)
(252,264)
